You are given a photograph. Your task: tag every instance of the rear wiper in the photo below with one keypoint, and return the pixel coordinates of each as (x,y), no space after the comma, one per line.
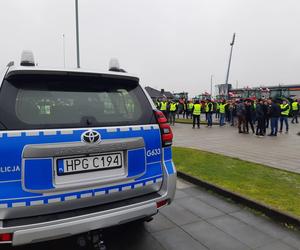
(2,126)
(88,120)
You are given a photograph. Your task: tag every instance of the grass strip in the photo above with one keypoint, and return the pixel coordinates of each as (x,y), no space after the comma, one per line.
(276,188)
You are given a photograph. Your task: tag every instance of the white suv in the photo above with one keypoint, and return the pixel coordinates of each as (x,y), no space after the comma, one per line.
(79,150)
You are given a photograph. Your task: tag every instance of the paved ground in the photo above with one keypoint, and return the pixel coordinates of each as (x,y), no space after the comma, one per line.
(282,151)
(196,220)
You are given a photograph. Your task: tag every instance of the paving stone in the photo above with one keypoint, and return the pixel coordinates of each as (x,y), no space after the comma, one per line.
(178,214)
(212,237)
(199,208)
(277,245)
(130,237)
(219,202)
(263,224)
(293,239)
(242,231)
(159,223)
(177,239)
(180,194)
(194,191)
(181,184)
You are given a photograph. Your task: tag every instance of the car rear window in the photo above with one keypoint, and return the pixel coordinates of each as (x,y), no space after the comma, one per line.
(49,101)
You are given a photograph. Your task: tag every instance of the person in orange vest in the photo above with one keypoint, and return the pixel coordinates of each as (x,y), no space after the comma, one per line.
(196,111)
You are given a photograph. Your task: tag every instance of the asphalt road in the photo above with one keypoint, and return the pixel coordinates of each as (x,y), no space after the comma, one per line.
(196,220)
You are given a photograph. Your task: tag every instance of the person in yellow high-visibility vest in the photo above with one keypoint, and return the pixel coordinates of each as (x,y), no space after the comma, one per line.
(196,111)
(285,111)
(295,110)
(172,113)
(222,112)
(164,107)
(190,106)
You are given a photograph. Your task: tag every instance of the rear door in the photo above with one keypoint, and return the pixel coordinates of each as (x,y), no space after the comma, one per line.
(76,137)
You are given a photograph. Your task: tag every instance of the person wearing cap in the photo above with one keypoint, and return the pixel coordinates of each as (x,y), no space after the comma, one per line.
(285,111)
(295,110)
(196,111)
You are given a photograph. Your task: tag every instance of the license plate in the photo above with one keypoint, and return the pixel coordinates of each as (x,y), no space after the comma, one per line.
(90,163)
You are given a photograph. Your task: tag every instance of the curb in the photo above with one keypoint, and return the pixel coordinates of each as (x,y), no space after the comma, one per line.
(273,213)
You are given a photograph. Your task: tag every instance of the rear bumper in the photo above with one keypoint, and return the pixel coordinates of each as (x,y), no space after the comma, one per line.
(80,225)
(26,233)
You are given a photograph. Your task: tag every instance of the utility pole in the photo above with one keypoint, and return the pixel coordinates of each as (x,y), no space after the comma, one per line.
(77,34)
(229,63)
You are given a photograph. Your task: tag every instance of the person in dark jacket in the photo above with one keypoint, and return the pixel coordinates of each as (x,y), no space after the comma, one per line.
(274,114)
(210,109)
(249,115)
(266,115)
(260,118)
(241,112)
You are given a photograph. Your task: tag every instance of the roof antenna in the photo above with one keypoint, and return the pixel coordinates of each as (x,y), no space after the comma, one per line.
(10,64)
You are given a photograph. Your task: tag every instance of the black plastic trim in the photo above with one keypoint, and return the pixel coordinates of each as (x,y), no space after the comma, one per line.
(78,212)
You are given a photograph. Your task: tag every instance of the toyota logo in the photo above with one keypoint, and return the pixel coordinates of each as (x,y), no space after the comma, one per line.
(91,136)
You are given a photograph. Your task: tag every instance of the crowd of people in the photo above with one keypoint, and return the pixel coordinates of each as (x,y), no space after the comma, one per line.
(245,114)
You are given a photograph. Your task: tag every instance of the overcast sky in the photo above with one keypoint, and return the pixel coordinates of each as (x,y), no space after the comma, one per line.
(171,44)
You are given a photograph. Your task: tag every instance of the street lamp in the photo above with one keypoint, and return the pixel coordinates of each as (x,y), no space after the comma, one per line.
(77,34)
(229,63)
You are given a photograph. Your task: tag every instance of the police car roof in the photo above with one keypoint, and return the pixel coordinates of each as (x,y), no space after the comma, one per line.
(23,70)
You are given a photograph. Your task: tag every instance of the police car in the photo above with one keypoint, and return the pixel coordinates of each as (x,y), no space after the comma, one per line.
(79,150)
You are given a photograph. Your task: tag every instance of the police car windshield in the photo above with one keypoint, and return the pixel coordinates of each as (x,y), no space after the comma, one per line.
(31,102)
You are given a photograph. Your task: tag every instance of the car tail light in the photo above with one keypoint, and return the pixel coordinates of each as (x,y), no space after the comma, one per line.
(6,238)
(165,129)
(162,203)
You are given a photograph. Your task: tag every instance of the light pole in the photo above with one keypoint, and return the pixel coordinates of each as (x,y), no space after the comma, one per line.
(229,63)
(77,34)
